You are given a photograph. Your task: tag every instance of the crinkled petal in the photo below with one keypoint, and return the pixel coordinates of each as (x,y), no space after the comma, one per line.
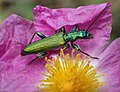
(48,20)
(15,74)
(14,29)
(110,66)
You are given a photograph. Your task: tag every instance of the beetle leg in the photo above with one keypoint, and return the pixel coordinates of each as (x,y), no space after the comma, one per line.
(40,55)
(55,31)
(66,46)
(75,28)
(77,48)
(39,34)
(63,29)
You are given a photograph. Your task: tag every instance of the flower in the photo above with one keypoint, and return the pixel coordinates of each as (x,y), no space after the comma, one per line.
(71,74)
(47,20)
(110,65)
(15,75)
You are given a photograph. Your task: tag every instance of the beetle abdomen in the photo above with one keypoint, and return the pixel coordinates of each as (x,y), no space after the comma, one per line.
(45,44)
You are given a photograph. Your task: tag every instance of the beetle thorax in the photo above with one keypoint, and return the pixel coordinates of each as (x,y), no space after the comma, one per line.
(72,36)
(82,34)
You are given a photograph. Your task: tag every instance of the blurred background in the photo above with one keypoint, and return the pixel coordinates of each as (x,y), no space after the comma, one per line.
(24,9)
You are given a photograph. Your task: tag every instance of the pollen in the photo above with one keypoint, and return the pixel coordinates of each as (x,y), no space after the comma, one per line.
(69,73)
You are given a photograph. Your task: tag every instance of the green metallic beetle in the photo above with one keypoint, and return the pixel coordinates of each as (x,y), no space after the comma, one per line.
(57,40)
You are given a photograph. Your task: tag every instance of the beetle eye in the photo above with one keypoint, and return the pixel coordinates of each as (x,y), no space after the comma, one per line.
(90,36)
(87,34)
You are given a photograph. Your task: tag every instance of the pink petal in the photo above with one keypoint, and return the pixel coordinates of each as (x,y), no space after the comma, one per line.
(14,29)
(110,66)
(15,74)
(48,20)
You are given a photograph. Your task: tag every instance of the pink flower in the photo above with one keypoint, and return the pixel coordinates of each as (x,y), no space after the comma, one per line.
(47,20)
(16,76)
(109,65)
(73,74)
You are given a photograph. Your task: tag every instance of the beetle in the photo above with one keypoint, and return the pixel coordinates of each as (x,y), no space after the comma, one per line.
(42,46)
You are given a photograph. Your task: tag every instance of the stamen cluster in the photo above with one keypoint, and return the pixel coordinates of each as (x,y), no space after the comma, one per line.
(69,74)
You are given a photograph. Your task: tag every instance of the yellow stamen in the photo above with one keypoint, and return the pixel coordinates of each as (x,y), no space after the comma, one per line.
(69,74)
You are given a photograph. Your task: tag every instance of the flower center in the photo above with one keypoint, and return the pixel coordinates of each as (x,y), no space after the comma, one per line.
(69,74)
(68,87)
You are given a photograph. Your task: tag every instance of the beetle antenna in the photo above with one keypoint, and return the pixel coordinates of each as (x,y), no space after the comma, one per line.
(96,18)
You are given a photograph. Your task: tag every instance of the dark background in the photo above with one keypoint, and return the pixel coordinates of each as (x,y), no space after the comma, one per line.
(24,9)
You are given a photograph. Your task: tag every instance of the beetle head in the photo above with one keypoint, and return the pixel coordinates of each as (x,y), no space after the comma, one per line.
(83,34)
(89,35)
